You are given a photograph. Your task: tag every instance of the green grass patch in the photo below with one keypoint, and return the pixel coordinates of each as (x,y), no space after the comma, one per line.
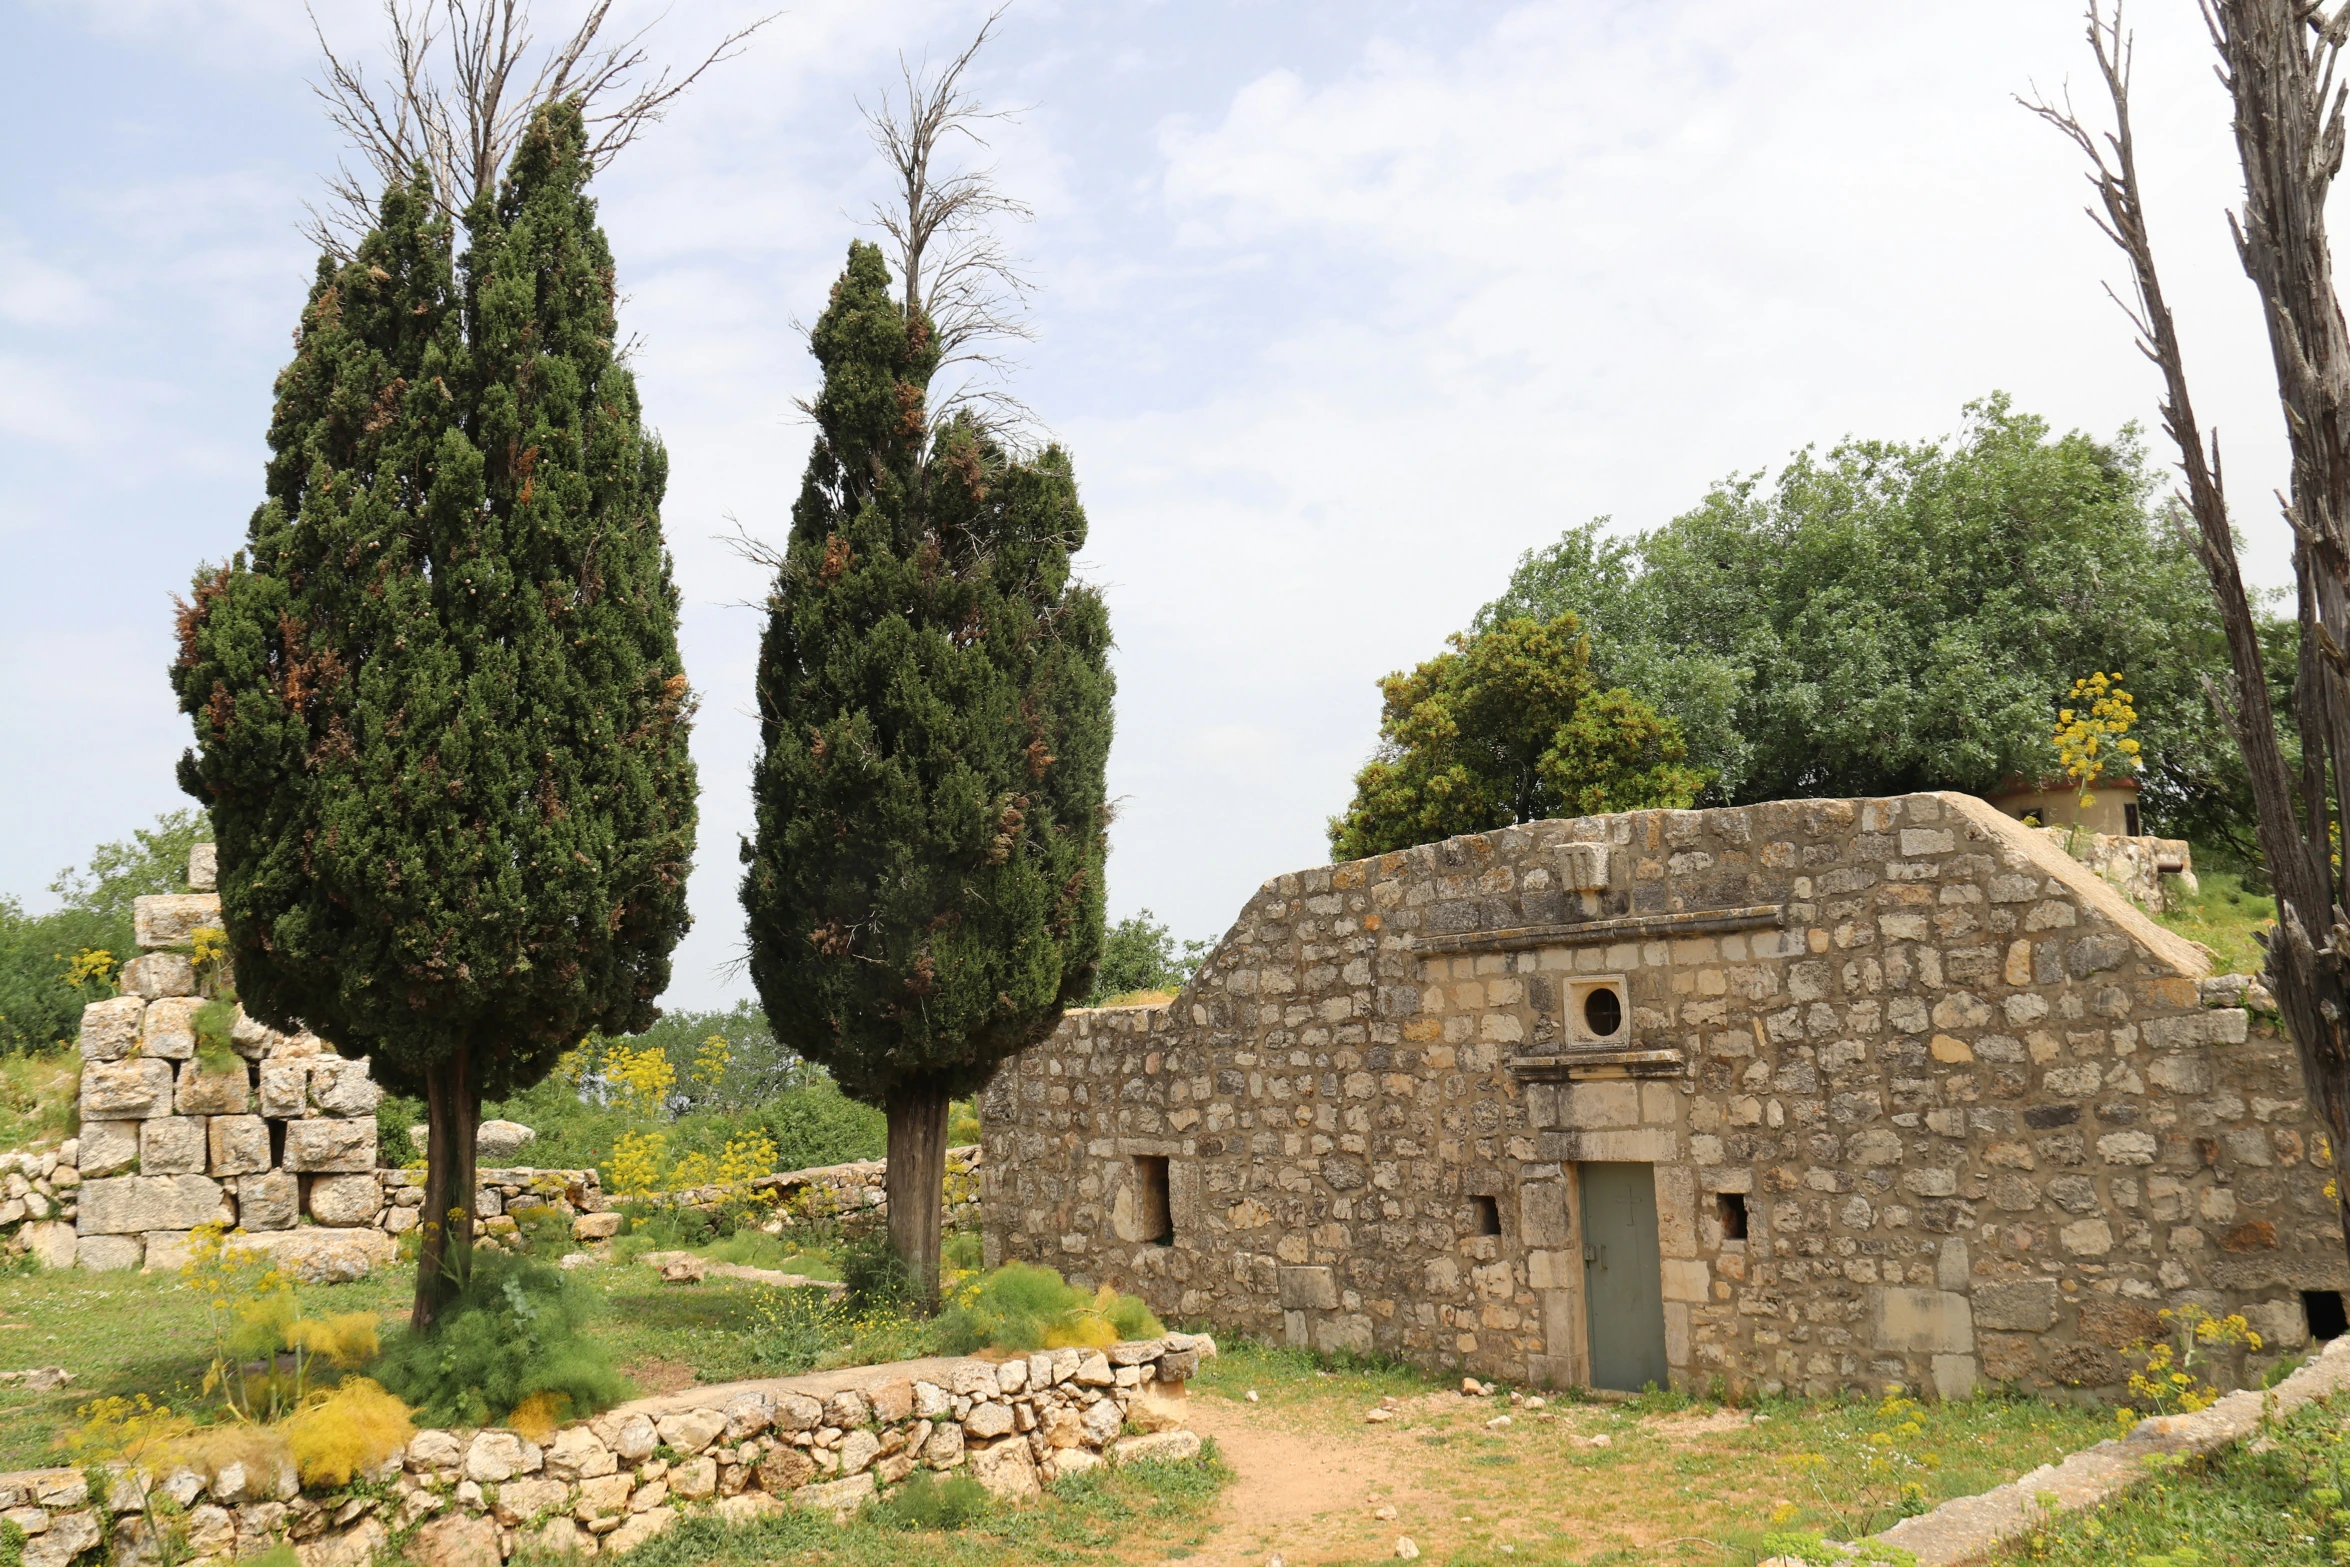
(2223,917)
(2280,1506)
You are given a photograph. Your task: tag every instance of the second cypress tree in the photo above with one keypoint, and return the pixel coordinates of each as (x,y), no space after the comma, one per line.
(925,892)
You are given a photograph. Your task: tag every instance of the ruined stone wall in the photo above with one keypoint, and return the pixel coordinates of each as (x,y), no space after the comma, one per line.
(1981,1115)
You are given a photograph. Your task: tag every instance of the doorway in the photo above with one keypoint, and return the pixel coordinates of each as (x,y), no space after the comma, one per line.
(1623,1278)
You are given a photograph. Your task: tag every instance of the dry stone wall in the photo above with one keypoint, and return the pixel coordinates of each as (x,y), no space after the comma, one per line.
(825,1443)
(1925,1101)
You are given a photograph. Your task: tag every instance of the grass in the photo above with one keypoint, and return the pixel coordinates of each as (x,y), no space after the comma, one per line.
(2223,916)
(2268,1503)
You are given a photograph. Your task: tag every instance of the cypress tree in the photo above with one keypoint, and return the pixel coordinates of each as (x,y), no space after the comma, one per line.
(440,717)
(924,895)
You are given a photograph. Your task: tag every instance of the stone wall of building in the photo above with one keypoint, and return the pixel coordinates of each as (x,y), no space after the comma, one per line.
(1977,1116)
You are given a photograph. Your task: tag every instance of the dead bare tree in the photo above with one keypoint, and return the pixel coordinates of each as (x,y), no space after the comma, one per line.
(459,108)
(942,230)
(2277,60)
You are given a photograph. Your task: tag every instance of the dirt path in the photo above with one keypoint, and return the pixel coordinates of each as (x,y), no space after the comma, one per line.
(1309,1498)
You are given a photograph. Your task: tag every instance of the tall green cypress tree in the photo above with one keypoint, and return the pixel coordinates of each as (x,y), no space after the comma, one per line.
(925,891)
(440,717)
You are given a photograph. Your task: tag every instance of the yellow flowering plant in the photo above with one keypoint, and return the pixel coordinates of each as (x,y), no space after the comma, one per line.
(2092,735)
(264,1348)
(2168,1379)
(642,1078)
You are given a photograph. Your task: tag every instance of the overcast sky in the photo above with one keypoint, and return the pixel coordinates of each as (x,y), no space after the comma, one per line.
(1344,305)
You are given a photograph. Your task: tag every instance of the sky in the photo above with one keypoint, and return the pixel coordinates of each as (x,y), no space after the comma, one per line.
(1342,307)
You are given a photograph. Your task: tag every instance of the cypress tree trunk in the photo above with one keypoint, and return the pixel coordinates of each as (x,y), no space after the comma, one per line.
(916,1179)
(452,1090)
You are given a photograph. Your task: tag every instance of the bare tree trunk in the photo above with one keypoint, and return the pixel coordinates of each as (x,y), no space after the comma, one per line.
(2278,65)
(916,1182)
(452,1090)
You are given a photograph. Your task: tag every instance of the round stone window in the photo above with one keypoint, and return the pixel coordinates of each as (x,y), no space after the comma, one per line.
(1603,1012)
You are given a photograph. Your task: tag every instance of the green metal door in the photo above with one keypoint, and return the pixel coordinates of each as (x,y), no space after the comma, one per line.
(1623,1282)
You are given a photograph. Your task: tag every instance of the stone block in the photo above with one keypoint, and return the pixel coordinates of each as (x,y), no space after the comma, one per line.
(108,1253)
(110,1029)
(269,1199)
(172,919)
(129,1090)
(457,1540)
(494,1142)
(172,1145)
(1954,1376)
(837,1497)
(1594,1107)
(1542,1214)
(135,1204)
(204,867)
(1583,867)
(341,1087)
(2086,1238)
(2019,1306)
(1915,1321)
(108,1147)
(157,974)
(1308,1289)
(202,1092)
(238,1145)
(330,1146)
(595,1226)
(319,1256)
(1007,1470)
(2282,1325)
(340,1201)
(1686,1281)
(285,1089)
(167,1251)
(168,1031)
(51,1243)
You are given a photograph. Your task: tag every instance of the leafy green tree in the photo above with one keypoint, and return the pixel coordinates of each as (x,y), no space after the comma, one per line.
(924,895)
(1892,616)
(1140,953)
(440,717)
(1510,726)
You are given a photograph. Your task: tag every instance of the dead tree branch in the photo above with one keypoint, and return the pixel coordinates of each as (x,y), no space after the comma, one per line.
(942,229)
(459,87)
(2277,60)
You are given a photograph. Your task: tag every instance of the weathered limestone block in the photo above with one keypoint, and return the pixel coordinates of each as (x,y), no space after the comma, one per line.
(343,1200)
(577,1453)
(321,1256)
(493,1457)
(786,1469)
(129,1090)
(2027,1306)
(110,1029)
(167,1251)
(1923,1321)
(168,1031)
(330,1146)
(107,1147)
(108,1253)
(691,1431)
(157,974)
(203,867)
(204,1092)
(253,1039)
(69,1534)
(135,1204)
(1158,1446)
(837,1497)
(172,1145)
(172,919)
(457,1540)
(238,1145)
(1007,1469)
(268,1199)
(285,1089)
(341,1087)
(520,1501)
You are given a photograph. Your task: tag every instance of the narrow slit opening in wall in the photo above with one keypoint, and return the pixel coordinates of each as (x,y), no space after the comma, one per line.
(2130,819)
(1731,1208)
(2327,1319)
(1154,1210)
(1485,1214)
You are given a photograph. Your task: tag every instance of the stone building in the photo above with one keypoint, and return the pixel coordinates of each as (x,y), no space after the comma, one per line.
(1811,1095)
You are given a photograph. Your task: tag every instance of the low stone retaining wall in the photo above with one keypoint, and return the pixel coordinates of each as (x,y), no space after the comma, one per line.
(1970,1528)
(826,1442)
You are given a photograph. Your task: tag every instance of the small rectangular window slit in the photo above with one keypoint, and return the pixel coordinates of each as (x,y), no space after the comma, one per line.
(1485,1213)
(1153,1210)
(2327,1320)
(1731,1207)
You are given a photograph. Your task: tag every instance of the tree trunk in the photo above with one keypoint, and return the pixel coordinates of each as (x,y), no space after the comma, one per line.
(916,1182)
(452,1093)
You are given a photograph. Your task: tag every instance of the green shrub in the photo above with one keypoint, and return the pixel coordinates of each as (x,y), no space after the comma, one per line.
(394,1114)
(1022,1306)
(928,1501)
(877,1276)
(514,1331)
(211,1025)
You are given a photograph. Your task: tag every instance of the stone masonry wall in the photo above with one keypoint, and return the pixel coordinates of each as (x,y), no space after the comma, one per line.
(1980,1116)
